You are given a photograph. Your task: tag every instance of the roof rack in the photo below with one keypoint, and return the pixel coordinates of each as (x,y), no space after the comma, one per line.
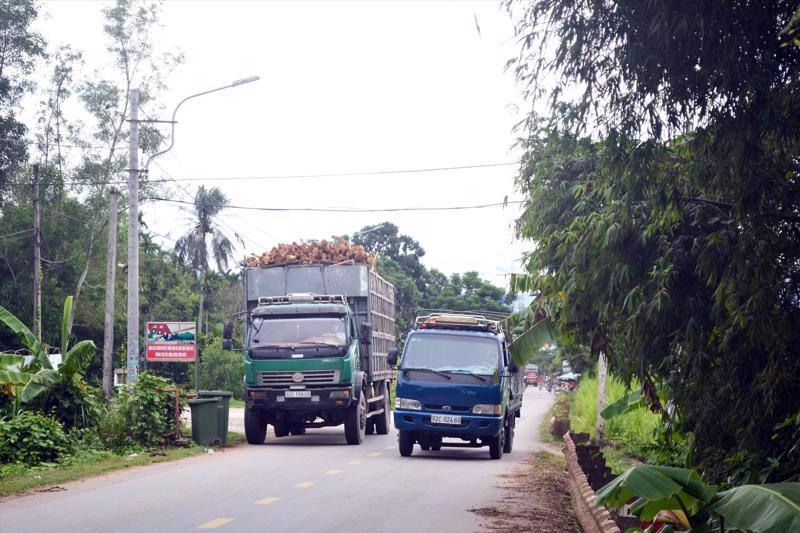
(302,297)
(457,322)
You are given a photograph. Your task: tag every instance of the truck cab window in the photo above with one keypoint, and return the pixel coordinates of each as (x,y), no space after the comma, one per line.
(277,331)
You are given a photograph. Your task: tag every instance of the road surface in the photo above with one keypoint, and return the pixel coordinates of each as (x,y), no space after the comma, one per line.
(308,483)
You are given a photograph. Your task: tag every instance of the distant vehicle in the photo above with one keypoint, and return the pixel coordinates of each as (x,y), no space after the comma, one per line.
(315,360)
(456,380)
(531,377)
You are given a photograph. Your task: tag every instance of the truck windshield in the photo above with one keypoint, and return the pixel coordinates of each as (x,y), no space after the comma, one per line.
(452,353)
(326,331)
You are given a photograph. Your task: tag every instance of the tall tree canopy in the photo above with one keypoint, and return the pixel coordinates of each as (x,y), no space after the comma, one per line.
(662,176)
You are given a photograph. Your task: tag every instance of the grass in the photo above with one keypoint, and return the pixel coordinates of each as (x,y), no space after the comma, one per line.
(625,435)
(560,407)
(16,478)
(236,403)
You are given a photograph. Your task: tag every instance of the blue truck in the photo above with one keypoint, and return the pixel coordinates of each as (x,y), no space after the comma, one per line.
(456,381)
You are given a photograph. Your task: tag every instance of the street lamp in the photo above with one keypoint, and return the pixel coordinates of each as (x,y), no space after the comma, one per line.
(133,215)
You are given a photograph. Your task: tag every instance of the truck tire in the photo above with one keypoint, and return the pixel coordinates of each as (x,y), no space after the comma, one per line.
(382,420)
(370,426)
(509,431)
(281,430)
(255,429)
(406,442)
(297,430)
(355,421)
(496,445)
(436,444)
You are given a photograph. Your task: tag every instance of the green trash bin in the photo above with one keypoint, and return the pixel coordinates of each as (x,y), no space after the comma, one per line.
(224,408)
(205,426)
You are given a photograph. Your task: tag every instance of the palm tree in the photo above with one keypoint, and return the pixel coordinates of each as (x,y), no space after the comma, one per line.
(205,237)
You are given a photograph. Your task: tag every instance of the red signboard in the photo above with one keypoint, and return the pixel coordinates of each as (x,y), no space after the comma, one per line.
(171,341)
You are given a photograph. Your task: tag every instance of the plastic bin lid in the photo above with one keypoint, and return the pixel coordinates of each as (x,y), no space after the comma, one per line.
(214,393)
(200,401)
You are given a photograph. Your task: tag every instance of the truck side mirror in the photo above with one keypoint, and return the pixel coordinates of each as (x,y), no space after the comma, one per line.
(227,344)
(227,331)
(392,358)
(366,333)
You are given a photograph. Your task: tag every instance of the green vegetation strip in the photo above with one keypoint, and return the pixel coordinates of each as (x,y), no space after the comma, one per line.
(15,479)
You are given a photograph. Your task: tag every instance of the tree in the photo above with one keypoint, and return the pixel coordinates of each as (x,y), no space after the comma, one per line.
(669,237)
(205,238)
(19,48)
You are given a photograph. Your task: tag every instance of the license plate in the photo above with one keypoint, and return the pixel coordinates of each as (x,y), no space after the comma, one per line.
(298,394)
(446,419)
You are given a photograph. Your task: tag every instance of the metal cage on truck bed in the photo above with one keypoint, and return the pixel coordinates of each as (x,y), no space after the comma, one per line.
(369,296)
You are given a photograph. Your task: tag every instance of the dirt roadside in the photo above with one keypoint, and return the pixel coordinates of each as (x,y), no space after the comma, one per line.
(534,499)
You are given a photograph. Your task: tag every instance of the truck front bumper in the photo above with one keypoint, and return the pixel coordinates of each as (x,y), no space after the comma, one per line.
(272,399)
(471,425)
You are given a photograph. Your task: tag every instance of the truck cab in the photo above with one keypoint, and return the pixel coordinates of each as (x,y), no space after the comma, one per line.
(456,381)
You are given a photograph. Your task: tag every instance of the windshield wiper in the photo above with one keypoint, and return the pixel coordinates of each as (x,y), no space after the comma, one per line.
(318,343)
(467,373)
(406,369)
(275,346)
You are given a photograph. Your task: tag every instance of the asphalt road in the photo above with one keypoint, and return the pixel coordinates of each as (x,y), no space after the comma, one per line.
(308,483)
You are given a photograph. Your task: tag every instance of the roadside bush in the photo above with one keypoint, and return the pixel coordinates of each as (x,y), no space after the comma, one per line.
(31,439)
(221,369)
(79,406)
(140,415)
(632,431)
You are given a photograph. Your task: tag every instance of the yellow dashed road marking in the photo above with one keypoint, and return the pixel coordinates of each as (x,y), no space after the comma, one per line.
(268,501)
(304,484)
(374,454)
(389,448)
(333,472)
(356,462)
(213,524)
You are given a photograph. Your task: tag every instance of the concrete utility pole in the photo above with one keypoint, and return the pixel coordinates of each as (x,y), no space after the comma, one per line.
(133,240)
(37,257)
(111,271)
(602,374)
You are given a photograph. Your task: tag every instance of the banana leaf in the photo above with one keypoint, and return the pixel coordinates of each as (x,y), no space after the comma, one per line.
(527,344)
(77,359)
(26,337)
(657,488)
(11,377)
(7,359)
(39,383)
(630,402)
(773,508)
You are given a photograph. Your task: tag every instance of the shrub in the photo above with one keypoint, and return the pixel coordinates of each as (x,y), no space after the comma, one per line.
(31,439)
(220,369)
(140,415)
(74,405)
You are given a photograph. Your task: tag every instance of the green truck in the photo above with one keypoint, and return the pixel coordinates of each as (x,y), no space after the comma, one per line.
(315,348)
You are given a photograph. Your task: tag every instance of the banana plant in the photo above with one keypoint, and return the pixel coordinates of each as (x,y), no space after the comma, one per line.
(28,382)
(676,499)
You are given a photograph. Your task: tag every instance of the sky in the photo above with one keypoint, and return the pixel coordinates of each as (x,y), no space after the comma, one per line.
(345,87)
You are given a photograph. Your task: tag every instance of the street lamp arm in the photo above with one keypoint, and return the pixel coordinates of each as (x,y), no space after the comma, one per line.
(175,112)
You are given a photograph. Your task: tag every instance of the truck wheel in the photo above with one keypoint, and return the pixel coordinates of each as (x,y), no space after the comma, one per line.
(496,445)
(255,429)
(355,421)
(370,426)
(382,421)
(281,430)
(297,430)
(406,440)
(509,431)
(436,444)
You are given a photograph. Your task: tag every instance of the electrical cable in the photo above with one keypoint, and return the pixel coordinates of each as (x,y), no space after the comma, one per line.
(348,209)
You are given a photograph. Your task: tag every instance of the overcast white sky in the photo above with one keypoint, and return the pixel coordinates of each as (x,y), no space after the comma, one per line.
(345,87)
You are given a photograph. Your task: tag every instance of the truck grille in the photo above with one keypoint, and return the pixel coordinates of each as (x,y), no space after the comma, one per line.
(310,378)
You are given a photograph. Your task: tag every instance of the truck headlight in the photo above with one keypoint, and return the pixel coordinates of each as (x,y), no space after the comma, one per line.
(406,403)
(487,409)
(339,394)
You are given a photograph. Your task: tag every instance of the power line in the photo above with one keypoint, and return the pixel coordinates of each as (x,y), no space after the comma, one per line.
(348,209)
(9,235)
(306,176)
